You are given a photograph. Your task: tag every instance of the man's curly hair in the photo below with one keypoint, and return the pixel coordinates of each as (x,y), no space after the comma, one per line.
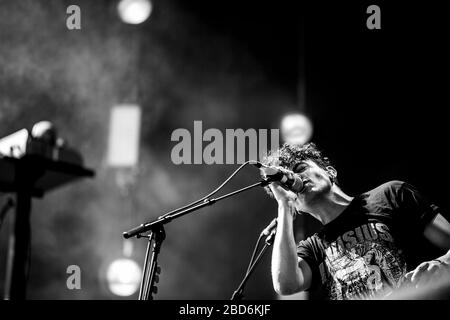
(290,154)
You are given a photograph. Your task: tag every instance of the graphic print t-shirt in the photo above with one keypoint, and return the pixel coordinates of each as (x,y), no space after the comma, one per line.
(367,249)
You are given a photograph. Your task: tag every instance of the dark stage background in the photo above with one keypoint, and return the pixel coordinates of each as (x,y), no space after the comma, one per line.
(377,99)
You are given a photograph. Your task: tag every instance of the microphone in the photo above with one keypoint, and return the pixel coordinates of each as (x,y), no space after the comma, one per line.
(286,177)
(272,225)
(270,231)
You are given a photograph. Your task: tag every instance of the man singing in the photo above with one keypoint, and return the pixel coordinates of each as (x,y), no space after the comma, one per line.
(370,245)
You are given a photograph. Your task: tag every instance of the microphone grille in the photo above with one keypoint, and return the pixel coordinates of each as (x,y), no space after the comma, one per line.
(297,186)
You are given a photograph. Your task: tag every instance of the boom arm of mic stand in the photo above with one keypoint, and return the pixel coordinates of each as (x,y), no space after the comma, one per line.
(145,227)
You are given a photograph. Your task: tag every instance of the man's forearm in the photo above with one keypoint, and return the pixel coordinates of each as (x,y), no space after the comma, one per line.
(285,272)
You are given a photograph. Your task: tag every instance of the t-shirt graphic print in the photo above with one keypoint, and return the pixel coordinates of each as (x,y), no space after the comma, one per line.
(361,263)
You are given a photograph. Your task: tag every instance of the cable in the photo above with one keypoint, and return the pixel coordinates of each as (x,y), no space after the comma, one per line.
(238,293)
(254,253)
(254,162)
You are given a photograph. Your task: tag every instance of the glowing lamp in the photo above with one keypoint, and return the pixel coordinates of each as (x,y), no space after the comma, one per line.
(124,276)
(296,129)
(134,11)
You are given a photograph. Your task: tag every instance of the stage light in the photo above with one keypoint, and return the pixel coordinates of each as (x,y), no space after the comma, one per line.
(296,128)
(124,135)
(124,276)
(134,11)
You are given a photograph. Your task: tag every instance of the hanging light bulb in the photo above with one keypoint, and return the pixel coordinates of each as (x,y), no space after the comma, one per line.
(134,11)
(296,128)
(124,274)
(123,277)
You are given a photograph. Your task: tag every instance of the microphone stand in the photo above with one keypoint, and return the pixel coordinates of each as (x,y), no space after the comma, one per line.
(157,235)
(238,294)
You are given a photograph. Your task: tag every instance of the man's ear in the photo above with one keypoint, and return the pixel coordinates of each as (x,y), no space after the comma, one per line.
(332,173)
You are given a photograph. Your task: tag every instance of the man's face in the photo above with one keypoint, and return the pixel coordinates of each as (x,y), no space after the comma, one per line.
(316,180)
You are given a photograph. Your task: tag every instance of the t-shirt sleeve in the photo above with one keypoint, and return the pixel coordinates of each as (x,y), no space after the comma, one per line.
(414,207)
(305,251)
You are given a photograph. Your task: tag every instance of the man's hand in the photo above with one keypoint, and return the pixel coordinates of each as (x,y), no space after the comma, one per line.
(286,199)
(281,194)
(426,273)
